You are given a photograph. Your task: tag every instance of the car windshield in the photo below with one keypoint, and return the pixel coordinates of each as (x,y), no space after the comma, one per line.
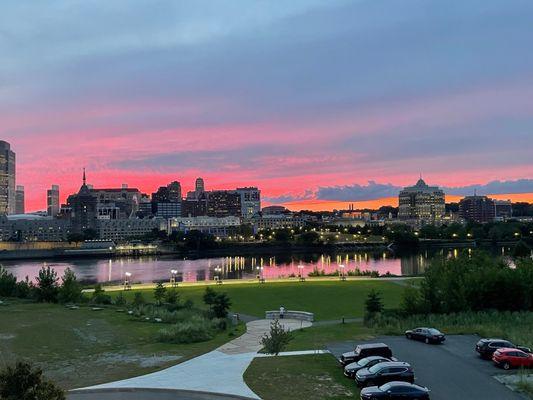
(375,368)
(434,331)
(364,362)
(386,386)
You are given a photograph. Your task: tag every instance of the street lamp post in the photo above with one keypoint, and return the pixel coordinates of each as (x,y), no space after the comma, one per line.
(173,281)
(127,280)
(260,274)
(218,271)
(341,272)
(301,278)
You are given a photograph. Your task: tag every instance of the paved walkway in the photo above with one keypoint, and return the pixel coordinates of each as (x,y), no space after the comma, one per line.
(220,371)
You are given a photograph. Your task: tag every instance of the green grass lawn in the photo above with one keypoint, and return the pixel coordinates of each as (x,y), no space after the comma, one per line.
(82,347)
(317,337)
(310,377)
(327,299)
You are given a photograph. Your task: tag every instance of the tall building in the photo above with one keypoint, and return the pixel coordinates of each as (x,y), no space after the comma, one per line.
(250,201)
(7,179)
(479,209)
(167,201)
(503,209)
(52,201)
(19,200)
(421,203)
(83,206)
(199,190)
(223,203)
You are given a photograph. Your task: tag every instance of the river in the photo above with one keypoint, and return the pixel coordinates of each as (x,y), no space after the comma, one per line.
(157,269)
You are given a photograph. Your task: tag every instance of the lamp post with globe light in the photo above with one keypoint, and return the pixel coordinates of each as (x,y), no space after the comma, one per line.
(173,281)
(127,280)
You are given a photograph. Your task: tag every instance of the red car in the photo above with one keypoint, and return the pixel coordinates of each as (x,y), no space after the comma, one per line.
(512,358)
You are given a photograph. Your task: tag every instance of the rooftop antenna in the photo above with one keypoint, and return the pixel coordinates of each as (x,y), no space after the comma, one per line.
(84,178)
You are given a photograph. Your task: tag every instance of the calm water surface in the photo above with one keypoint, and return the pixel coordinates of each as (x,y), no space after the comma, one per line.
(155,269)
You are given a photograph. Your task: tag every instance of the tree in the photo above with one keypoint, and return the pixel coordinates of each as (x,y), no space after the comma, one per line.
(99,296)
(521,250)
(47,288)
(277,339)
(138,299)
(219,303)
(22,382)
(172,296)
(309,238)
(159,293)
(70,290)
(373,303)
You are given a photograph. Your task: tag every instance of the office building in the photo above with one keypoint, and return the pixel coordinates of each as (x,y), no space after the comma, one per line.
(421,204)
(83,208)
(220,227)
(33,228)
(191,207)
(130,228)
(503,209)
(167,201)
(7,179)
(479,209)
(250,201)
(52,201)
(223,203)
(125,199)
(199,190)
(20,207)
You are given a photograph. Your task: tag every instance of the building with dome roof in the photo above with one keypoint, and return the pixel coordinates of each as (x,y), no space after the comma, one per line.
(421,204)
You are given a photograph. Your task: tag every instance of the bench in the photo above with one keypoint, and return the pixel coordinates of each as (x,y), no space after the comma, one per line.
(299,315)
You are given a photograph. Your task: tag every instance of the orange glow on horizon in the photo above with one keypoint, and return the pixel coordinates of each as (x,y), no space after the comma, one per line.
(329,205)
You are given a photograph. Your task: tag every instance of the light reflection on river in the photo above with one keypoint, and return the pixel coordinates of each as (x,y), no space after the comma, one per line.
(154,269)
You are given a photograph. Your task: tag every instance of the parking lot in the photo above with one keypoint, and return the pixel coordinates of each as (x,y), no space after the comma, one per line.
(452,371)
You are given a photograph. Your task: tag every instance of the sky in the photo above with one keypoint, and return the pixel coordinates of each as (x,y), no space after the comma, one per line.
(311,101)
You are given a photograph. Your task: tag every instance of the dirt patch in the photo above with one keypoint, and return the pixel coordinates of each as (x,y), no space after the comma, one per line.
(140,360)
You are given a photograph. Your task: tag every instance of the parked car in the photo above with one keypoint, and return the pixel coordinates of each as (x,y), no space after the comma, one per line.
(367,362)
(365,350)
(427,335)
(487,347)
(395,390)
(508,358)
(382,373)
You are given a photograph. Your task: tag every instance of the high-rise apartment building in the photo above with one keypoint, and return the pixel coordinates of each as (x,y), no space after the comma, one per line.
(250,201)
(421,203)
(7,179)
(19,200)
(52,201)
(223,203)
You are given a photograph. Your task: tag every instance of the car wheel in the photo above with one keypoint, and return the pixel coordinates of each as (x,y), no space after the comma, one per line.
(427,340)
(408,336)
(506,366)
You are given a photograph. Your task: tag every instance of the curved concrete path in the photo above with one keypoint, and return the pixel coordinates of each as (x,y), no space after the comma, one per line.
(219,371)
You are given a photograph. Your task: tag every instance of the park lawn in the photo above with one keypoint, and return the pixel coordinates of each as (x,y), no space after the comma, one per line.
(317,337)
(327,299)
(309,377)
(81,347)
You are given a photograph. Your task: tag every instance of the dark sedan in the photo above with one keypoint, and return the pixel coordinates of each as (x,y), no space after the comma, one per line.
(385,372)
(395,390)
(427,335)
(351,369)
(487,347)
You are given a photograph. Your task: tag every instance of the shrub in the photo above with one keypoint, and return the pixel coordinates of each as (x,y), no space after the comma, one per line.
(100,297)
(172,297)
(159,293)
(219,303)
(138,299)
(47,288)
(120,300)
(22,382)
(277,339)
(196,330)
(70,290)
(8,283)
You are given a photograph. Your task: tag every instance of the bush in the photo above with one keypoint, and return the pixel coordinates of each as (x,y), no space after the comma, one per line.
(159,293)
(8,283)
(138,299)
(70,290)
(172,297)
(47,288)
(277,339)
(100,297)
(24,289)
(22,382)
(196,330)
(120,300)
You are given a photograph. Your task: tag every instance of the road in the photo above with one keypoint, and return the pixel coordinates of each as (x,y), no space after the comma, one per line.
(452,371)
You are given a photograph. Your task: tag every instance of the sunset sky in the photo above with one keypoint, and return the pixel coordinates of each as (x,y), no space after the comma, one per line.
(312,101)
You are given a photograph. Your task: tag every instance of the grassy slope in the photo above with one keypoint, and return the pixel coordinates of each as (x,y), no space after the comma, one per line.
(317,337)
(83,347)
(327,299)
(313,377)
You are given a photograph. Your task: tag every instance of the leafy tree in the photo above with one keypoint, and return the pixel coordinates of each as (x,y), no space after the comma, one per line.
(70,290)
(47,287)
(277,339)
(283,235)
(8,283)
(309,238)
(521,250)
(22,382)
(209,296)
(100,297)
(159,293)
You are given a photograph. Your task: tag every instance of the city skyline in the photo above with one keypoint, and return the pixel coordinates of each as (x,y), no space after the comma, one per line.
(308,101)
